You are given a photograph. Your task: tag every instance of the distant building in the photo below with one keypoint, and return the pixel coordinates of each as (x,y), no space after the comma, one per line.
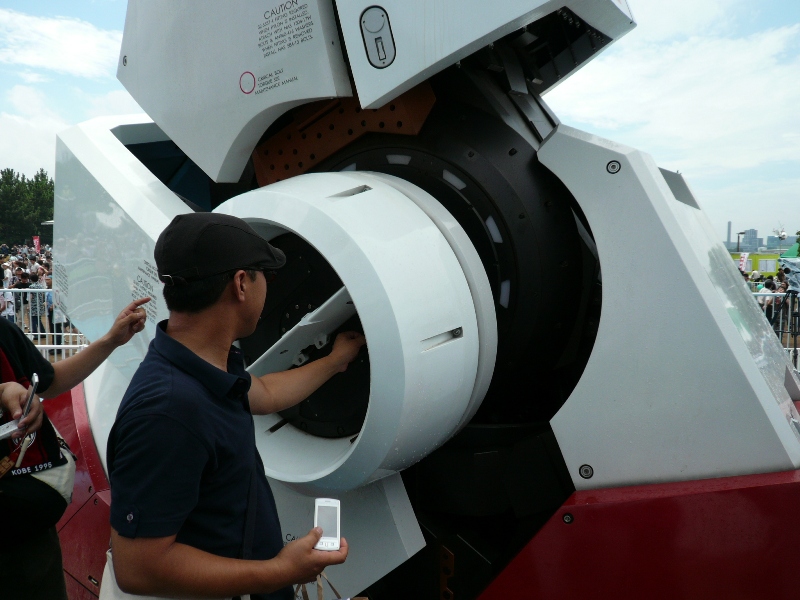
(750,241)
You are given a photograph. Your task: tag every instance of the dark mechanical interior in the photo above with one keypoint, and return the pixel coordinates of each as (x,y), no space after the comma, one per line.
(481,496)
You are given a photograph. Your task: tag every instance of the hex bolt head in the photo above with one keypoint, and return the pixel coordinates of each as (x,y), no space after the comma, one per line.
(457,332)
(568,518)
(586,471)
(124,61)
(613,167)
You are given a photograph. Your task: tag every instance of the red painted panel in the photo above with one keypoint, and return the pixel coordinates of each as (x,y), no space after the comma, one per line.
(89,476)
(735,537)
(84,528)
(75,591)
(84,541)
(86,438)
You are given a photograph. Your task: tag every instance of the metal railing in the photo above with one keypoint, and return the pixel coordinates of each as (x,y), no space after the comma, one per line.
(54,341)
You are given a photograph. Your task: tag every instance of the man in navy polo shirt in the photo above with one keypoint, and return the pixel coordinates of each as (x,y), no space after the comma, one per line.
(182,460)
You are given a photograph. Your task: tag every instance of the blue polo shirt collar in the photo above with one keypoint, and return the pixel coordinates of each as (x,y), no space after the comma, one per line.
(234,383)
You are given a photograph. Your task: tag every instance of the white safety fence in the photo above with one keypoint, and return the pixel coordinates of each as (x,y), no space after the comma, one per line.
(43,324)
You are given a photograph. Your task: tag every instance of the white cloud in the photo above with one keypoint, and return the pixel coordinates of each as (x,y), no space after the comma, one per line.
(659,20)
(116,102)
(30,125)
(28,140)
(31,77)
(701,104)
(30,102)
(690,87)
(61,44)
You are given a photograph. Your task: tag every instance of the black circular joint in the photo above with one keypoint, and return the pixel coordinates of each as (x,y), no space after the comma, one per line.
(461,159)
(124,61)
(586,471)
(613,167)
(568,518)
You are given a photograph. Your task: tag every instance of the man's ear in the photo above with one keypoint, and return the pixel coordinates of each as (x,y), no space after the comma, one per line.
(240,285)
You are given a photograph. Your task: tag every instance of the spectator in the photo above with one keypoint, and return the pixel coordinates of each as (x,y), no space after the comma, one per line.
(23,284)
(766,301)
(8,312)
(38,307)
(56,319)
(7,273)
(16,277)
(30,563)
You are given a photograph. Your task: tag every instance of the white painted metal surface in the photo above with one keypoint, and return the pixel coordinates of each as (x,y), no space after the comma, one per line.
(214,75)
(430,36)
(415,304)
(703,394)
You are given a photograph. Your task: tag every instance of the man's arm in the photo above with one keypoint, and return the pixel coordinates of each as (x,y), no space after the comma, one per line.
(163,567)
(71,371)
(277,391)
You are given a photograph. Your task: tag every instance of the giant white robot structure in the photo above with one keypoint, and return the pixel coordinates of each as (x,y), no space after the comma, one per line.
(519,426)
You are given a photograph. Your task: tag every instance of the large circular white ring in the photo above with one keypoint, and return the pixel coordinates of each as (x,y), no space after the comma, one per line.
(411,294)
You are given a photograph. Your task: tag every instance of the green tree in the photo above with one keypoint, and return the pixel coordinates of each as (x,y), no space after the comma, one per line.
(24,205)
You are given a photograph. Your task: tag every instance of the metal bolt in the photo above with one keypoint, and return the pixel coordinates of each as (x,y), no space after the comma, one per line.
(309,307)
(297,307)
(287,315)
(586,471)
(613,167)
(457,332)
(124,61)
(568,518)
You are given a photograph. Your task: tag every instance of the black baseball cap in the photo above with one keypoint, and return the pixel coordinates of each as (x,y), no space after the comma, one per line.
(198,245)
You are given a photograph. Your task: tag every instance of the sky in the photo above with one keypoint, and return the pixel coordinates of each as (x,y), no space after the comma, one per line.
(710,88)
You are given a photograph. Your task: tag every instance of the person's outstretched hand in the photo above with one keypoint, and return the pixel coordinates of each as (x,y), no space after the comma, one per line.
(128,323)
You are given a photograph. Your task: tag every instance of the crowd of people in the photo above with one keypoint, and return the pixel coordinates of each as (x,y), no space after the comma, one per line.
(775,286)
(26,268)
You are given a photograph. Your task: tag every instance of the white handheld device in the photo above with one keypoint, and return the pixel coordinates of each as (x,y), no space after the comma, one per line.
(326,516)
(9,428)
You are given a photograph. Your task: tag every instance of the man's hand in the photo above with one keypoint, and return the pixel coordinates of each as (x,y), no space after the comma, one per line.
(278,391)
(71,371)
(12,399)
(128,323)
(300,563)
(345,349)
